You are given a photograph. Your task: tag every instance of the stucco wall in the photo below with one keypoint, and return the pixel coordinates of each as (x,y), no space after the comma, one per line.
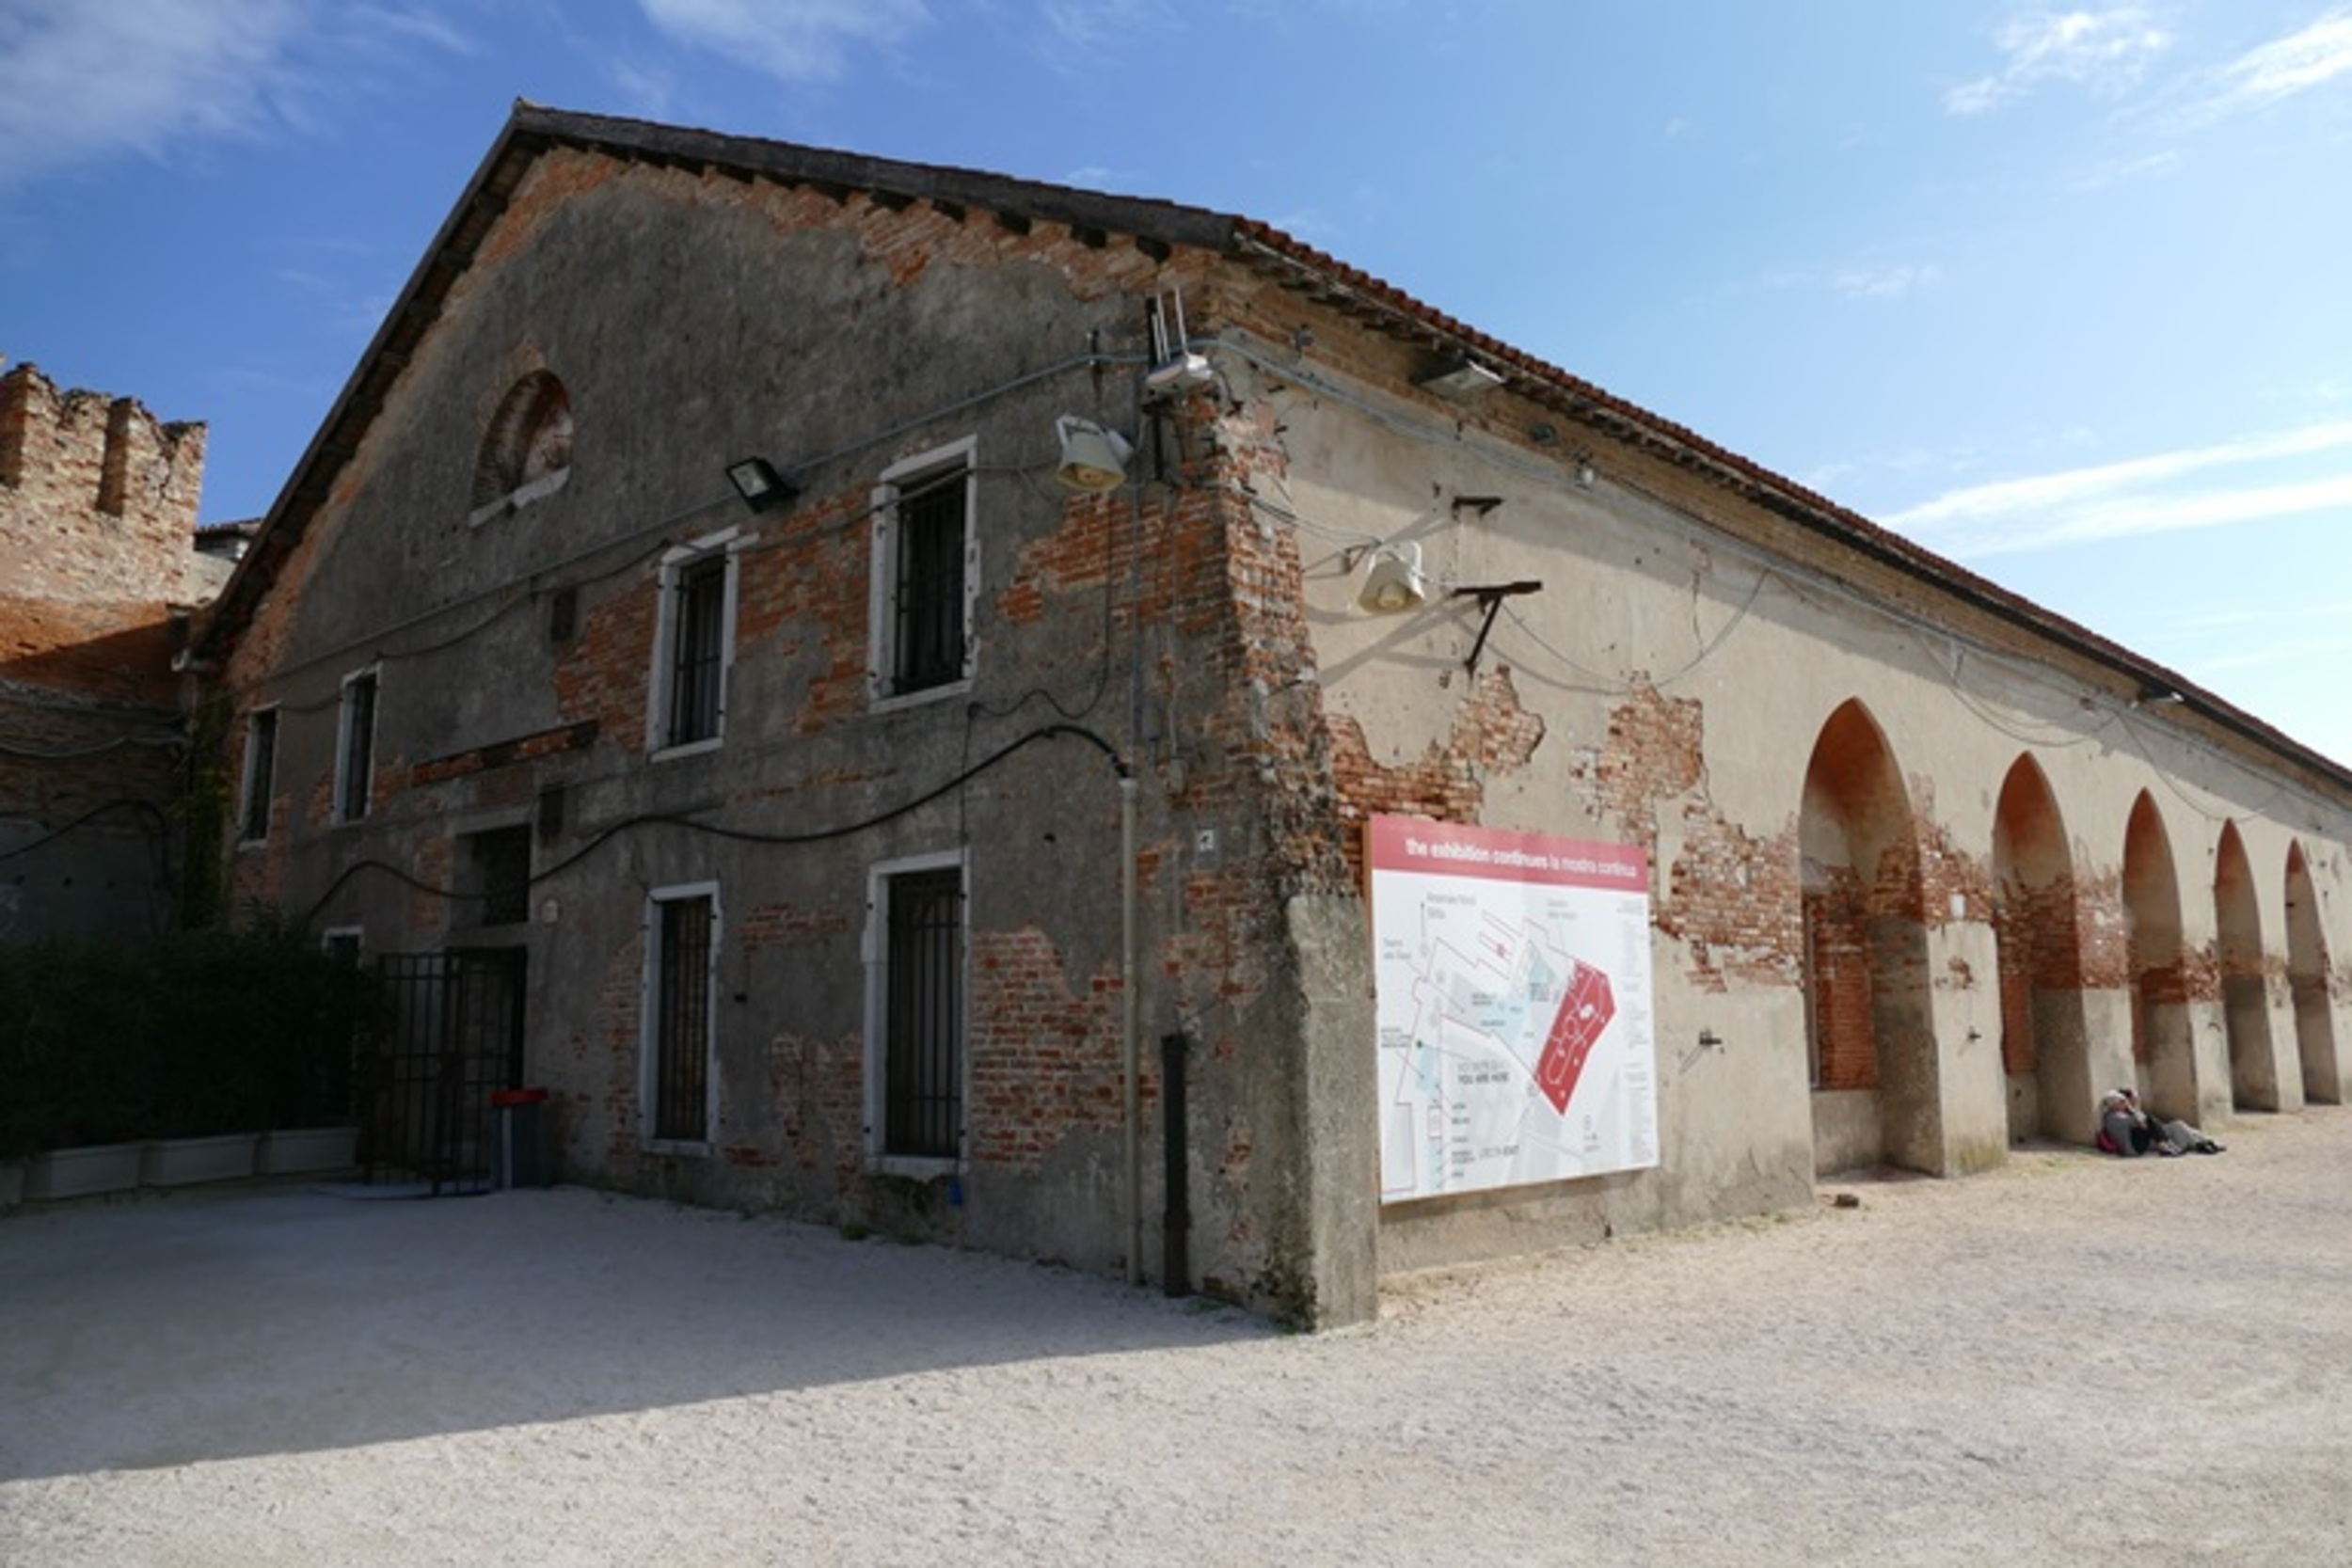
(1668,687)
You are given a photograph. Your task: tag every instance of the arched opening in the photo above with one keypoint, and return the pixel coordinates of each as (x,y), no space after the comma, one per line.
(2307,980)
(2037,936)
(1866,993)
(527,451)
(2245,998)
(2164,1051)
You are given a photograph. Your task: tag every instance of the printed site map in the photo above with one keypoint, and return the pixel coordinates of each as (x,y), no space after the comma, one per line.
(1513,1003)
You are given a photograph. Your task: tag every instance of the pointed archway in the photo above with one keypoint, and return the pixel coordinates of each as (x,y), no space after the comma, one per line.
(2163,1054)
(2245,996)
(1867,987)
(2307,980)
(2037,939)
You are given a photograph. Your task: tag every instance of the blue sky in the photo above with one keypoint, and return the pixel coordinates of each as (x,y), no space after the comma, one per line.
(2057,293)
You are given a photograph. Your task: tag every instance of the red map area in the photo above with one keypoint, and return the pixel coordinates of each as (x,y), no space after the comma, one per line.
(1584,1012)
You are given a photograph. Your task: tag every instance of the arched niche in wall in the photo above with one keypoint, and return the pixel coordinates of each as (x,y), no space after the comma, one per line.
(2245,997)
(527,451)
(2307,982)
(2037,934)
(2163,1039)
(1866,991)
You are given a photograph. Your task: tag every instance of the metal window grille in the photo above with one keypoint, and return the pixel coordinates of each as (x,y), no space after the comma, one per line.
(929,590)
(923,1068)
(447,1035)
(261,760)
(358,758)
(697,650)
(683,1021)
(501,873)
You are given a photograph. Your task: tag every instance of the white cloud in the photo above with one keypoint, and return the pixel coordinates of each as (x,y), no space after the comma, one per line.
(2294,473)
(1886,282)
(85,80)
(793,40)
(2104,52)
(2117,171)
(2284,67)
(81,81)
(1094,24)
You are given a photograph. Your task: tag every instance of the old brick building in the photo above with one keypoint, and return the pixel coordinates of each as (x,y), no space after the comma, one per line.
(873,821)
(98,535)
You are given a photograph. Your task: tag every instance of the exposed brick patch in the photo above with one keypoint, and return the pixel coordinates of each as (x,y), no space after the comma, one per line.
(818,1089)
(1845,1033)
(1735,903)
(1492,735)
(1951,883)
(1655,752)
(1045,1051)
(803,606)
(608,1057)
(1078,556)
(2102,931)
(600,676)
(505,753)
(777,925)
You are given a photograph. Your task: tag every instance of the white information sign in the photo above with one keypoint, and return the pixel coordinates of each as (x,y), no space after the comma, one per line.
(1514,979)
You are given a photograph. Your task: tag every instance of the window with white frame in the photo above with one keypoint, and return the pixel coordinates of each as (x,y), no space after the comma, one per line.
(679,1086)
(926,573)
(354,747)
(916,1026)
(694,645)
(260,768)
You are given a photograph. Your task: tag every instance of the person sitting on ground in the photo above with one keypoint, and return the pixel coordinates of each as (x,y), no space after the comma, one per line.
(2125,1129)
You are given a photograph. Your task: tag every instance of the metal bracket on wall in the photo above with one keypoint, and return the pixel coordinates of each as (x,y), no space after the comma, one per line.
(1491,600)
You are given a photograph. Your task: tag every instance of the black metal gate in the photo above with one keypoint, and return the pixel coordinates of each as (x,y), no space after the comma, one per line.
(449,1034)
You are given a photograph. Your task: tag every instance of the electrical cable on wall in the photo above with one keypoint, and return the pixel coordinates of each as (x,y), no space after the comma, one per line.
(538,577)
(740,835)
(1506,460)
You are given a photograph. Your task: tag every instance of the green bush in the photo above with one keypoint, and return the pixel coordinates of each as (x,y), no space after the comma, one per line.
(194,1033)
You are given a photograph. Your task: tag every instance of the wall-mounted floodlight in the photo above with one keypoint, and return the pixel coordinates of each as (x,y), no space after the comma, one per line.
(1394,584)
(756,481)
(1459,379)
(1093,459)
(2156,696)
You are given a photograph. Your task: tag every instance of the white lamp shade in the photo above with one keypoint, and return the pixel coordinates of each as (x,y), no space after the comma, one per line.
(1394,583)
(1092,458)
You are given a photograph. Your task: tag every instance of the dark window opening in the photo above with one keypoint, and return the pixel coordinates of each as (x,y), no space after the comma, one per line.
(923,1028)
(927,591)
(697,650)
(498,861)
(356,767)
(682,1021)
(261,760)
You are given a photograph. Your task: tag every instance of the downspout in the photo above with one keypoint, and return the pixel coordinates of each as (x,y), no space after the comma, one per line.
(1130,1011)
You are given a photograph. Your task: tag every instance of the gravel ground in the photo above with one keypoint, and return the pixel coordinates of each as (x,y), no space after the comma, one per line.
(2069,1359)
